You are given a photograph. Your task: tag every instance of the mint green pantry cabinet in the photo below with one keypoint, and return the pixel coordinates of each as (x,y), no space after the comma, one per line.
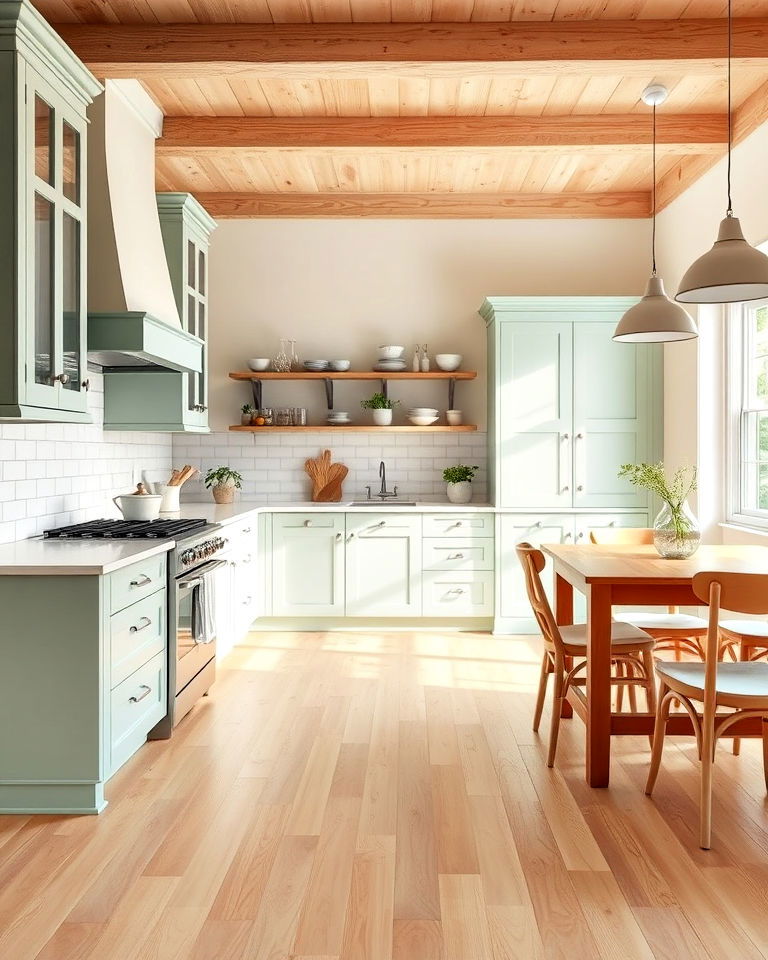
(44,92)
(84,680)
(569,404)
(167,400)
(567,407)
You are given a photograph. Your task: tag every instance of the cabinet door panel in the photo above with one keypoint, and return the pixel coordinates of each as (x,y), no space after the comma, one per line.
(383,571)
(612,407)
(535,529)
(307,567)
(536,414)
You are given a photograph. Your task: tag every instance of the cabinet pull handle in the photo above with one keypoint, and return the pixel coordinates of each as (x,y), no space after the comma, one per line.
(147,690)
(147,623)
(338,538)
(62,378)
(579,436)
(247,601)
(612,523)
(458,590)
(246,530)
(580,487)
(567,536)
(456,556)
(86,384)
(142,581)
(580,536)
(307,523)
(566,436)
(566,489)
(377,526)
(350,537)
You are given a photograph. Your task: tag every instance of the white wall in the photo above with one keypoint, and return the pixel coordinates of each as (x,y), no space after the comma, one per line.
(693,380)
(341,287)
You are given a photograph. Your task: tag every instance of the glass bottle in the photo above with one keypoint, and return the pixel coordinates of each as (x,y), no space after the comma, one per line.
(282,362)
(424,359)
(416,365)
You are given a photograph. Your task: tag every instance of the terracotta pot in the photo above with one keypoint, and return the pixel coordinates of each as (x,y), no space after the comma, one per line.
(223,492)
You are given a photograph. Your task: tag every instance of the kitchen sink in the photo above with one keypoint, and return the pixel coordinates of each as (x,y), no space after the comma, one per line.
(382,503)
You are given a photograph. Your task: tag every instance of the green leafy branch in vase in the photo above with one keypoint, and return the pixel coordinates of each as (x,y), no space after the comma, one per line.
(674,492)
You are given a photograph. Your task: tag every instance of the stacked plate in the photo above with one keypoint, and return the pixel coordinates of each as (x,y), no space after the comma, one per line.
(315,366)
(423,416)
(390,366)
(338,418)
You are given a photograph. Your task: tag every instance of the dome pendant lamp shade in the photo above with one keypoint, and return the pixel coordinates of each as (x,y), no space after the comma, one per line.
(730,272)
(655,318)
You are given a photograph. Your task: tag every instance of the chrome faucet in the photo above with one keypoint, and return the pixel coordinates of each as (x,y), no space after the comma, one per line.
(383,493)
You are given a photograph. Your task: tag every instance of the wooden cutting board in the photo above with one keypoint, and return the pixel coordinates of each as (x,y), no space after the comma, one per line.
(327,478)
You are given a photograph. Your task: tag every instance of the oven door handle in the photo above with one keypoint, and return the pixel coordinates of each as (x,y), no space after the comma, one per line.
(197,578)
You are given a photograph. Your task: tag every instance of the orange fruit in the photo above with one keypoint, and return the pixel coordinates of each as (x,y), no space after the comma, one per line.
(260,421)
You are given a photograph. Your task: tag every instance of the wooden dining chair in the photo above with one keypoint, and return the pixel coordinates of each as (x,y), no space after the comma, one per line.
(675,631)
(741,688)
(630,647)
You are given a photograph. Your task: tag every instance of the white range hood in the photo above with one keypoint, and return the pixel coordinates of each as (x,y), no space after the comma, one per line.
(132,316)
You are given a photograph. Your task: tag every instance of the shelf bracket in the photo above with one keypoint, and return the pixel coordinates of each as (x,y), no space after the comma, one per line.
(256,386)
(385,388)
(451,392)
(328,392)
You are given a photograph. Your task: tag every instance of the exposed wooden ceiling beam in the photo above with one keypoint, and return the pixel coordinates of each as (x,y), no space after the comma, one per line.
(746,118)
(596,47)
(427,205)
(676,134)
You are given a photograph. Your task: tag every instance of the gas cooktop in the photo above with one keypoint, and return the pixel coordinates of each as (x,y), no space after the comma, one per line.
(163,529)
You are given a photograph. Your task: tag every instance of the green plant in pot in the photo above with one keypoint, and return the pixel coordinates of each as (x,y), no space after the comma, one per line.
(459,482)
(381,408)
(246,414)
(222,482)
(676,533)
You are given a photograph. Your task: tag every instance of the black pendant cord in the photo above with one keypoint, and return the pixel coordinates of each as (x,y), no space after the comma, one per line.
(653,199)
(730,122)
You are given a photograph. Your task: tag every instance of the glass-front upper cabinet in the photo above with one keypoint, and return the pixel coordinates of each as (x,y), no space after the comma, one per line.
(44,93)
(186,228)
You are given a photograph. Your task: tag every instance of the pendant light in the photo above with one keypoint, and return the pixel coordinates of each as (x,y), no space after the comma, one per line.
(655,318)
(732,271)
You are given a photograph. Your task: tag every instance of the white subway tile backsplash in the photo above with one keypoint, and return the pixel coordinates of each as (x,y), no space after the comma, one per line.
(52,474)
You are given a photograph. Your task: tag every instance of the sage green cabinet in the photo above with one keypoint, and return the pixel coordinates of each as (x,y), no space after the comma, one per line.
(383,569)
(44,92)
(84,680)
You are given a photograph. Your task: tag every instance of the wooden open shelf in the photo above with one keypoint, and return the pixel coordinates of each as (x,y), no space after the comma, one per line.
(354,375)
(328,377)
(357,428)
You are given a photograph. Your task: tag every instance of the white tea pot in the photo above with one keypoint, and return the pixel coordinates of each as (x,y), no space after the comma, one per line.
(138,505)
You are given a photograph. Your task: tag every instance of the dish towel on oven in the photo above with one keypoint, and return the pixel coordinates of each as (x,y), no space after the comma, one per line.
(203,622)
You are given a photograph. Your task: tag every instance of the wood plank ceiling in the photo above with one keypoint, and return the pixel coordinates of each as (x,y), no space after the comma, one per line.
(428,107)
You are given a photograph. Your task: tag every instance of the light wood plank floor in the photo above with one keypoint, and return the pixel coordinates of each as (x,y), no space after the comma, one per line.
(369,796)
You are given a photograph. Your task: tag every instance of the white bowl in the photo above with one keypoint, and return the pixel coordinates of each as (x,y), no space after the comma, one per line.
(448,361)
(390,352)
(423,421)
(424,411)
(339,365)
(259,363)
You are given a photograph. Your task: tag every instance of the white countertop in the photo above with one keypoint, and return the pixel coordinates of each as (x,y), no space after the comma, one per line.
(228,513)
(43,558)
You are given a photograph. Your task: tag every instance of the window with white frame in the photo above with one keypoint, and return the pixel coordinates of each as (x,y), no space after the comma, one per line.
(748,370)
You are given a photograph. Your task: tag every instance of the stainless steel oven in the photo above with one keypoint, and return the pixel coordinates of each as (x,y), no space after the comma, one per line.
(194,619)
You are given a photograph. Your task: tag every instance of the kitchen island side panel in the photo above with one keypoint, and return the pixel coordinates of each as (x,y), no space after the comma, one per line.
(51,688)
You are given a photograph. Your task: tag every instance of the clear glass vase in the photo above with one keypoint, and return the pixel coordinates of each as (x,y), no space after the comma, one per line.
(676,533)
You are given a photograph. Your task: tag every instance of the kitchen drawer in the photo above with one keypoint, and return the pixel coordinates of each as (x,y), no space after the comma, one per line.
(446,554)
(136,705)
(133,583)
(315,521)
(458,525)
(457,594)
(137,634)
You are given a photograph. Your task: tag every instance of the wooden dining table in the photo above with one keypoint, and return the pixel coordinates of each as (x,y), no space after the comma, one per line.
(613,575)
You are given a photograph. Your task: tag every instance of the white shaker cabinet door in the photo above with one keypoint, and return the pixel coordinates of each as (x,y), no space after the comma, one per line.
(383,573)
(512,600)
(308,564)
(535,411)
